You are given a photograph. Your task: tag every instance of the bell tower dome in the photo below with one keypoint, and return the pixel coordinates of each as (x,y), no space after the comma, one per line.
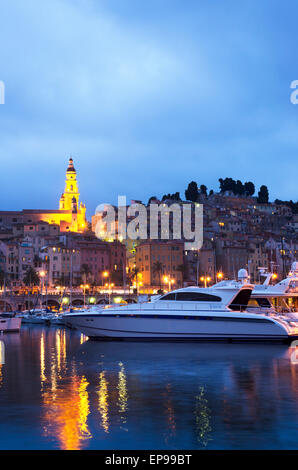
(71,191)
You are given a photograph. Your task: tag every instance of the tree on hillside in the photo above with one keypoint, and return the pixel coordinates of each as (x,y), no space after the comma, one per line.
(192,192)
(239,188)
(151,199)
(291,204)
(227,184)
(173,197)
(203,189)
(249,188)
(263,195)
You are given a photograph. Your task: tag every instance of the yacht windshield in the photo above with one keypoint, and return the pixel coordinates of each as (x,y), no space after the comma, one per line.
(241,300)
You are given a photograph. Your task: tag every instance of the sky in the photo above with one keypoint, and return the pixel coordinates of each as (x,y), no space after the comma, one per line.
(146,96)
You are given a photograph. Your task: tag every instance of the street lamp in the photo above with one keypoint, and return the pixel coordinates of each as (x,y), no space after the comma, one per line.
(205,279)
(42,275)
(110,286)
(84,287)
(105,274)
(219,276)
(169,281)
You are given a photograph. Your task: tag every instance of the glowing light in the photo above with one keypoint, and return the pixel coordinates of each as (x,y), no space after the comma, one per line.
(122,390)
(84,408)
(103,402)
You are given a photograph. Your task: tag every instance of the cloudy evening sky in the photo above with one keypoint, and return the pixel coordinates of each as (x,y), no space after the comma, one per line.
(146,96)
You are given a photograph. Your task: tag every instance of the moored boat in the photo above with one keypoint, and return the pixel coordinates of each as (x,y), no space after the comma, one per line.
(9,323)
(193,313)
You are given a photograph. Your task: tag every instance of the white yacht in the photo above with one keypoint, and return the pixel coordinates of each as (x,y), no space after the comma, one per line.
(281,298)
(9,323)
(193,313)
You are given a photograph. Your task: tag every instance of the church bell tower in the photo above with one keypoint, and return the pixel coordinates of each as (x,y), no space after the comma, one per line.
(69,201)
(71,191)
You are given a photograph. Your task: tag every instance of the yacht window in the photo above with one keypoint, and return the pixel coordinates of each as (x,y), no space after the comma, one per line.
(197,297)
(241,300)
(263,302)
(168,297)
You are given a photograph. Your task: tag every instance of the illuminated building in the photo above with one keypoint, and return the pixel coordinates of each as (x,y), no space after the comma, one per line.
(70,217)
(169,253)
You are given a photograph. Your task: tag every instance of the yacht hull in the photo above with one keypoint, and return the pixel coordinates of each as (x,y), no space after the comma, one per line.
(177,327)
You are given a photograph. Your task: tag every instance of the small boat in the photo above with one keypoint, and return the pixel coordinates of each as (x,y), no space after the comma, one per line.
(9,323)
(39,317)
(189,314)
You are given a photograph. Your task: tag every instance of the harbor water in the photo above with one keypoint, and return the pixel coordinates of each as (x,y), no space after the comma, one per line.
(59,390)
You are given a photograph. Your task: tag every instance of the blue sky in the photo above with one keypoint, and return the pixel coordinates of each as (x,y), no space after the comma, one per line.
(146,96)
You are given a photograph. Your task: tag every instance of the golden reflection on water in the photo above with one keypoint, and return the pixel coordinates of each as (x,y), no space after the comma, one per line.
(122,392)
(67,407)
(103,405)
(66,414)
(2,360)
(42,361)
(83,338)
(65,399)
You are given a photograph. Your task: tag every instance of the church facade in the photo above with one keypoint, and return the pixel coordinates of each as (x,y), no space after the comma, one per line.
(70,217)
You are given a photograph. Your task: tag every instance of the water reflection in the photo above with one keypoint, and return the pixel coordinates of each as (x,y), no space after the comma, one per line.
(64,395)
(2,358)
(103,405)
(122,390)
(141,395)
(202,417)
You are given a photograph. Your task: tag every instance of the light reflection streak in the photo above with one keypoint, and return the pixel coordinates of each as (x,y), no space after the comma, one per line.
(42,361)
(202,418)
(103,405)
(122,392)
(170,413)
(84,408)
(83,338)
(58,350)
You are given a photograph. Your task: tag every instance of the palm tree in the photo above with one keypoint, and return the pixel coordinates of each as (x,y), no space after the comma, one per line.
(85,273)
(31,278)
(2,278)
(158,269)
(184,271)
